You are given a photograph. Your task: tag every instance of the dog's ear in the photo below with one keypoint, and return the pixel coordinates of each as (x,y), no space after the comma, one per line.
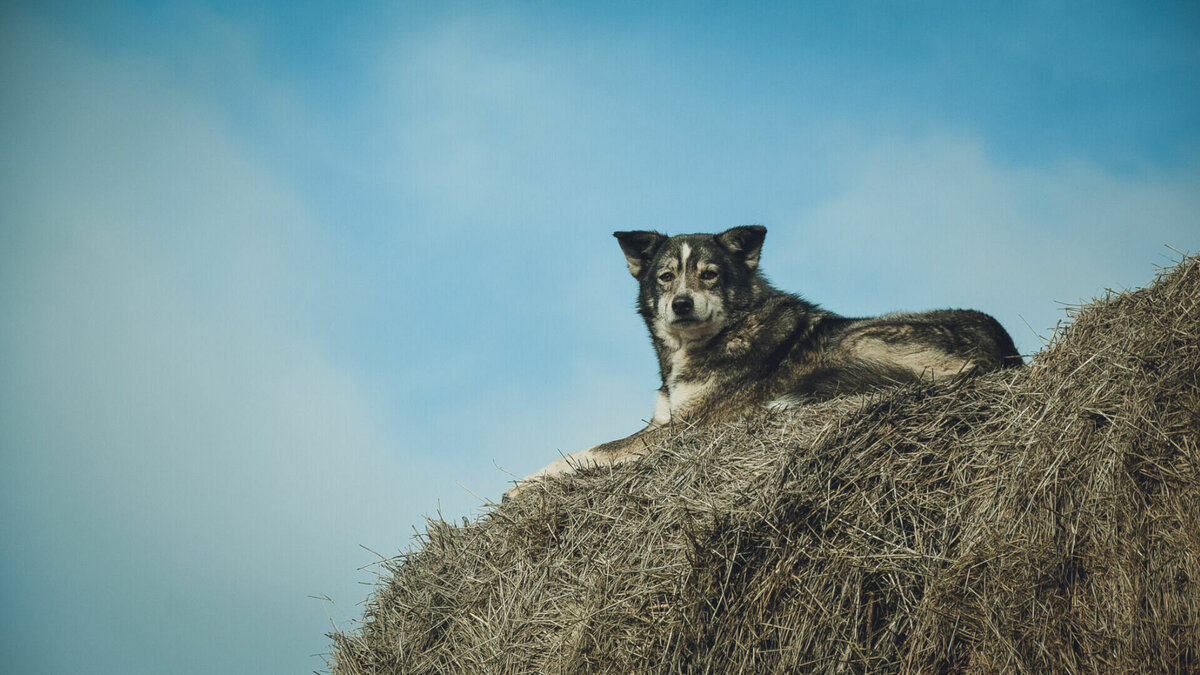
(744,241)
(639,247)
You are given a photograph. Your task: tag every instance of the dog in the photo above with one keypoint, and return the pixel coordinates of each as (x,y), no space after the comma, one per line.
(729,343)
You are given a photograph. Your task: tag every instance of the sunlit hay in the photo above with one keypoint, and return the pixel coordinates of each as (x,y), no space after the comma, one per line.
(1043,520)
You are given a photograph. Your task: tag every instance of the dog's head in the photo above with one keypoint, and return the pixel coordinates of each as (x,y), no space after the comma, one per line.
(693,285)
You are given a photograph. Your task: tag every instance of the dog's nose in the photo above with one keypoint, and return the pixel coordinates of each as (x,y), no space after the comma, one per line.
(682,305)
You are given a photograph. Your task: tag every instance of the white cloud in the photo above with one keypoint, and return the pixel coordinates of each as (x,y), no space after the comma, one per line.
(941,222)
(491,121)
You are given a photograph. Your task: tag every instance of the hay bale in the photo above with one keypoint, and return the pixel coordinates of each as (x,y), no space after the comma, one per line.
(1043,520)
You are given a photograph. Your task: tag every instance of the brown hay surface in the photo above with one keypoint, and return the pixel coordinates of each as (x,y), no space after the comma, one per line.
(1043,520)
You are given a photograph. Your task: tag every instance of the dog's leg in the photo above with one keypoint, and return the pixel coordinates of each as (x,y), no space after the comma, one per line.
(606,454)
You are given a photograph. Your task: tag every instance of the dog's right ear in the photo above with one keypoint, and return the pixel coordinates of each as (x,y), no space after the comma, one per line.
(639,247)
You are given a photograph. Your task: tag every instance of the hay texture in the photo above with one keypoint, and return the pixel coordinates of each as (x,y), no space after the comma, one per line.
(1043,520)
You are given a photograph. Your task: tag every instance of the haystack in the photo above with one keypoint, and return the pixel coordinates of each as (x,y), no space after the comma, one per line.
(1043,520)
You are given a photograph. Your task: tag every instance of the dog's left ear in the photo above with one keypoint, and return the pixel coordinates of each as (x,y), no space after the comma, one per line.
(744,241)
(639,248)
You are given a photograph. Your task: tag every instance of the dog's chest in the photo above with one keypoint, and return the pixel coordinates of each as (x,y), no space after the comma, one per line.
(684,388)
(684,395)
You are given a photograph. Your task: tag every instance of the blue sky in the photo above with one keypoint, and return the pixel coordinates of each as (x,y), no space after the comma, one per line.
(277,278)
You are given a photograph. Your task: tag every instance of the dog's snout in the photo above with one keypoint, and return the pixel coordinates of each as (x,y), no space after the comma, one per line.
(682,305)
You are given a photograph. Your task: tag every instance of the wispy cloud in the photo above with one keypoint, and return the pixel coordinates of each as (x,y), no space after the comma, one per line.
(941,221)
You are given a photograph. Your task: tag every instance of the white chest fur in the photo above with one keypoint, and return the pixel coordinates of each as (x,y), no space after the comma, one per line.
(682,393)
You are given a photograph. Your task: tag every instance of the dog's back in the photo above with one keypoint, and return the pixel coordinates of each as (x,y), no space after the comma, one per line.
(863,354)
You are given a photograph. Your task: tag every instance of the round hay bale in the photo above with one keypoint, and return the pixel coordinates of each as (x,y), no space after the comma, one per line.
(1039,520)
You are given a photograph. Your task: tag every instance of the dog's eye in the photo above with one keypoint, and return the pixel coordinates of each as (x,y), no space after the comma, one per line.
(708,275)
(666,277)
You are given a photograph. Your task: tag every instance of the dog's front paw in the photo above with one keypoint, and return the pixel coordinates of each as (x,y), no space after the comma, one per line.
(513,492)
(559,467)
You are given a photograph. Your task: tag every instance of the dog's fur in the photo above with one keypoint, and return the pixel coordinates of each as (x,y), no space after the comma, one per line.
(728,342)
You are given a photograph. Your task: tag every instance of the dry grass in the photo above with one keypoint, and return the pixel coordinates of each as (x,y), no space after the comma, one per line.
(1044,520)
